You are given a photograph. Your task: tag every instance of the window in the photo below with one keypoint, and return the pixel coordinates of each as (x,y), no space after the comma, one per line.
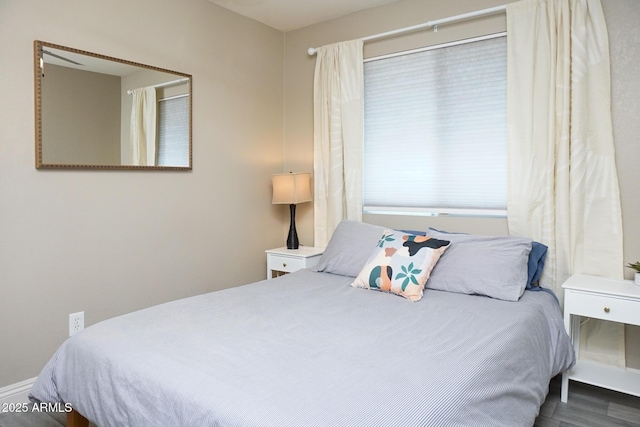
(173,131)
(435,130)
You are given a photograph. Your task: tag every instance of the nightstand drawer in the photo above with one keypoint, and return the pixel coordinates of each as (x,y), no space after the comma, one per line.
(283,263)
(602,307)
(283,260)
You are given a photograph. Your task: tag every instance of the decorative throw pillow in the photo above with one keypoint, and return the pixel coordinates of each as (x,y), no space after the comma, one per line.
(401,264)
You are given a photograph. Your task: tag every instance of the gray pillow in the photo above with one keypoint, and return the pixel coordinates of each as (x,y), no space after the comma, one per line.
(485,265)
(349,248)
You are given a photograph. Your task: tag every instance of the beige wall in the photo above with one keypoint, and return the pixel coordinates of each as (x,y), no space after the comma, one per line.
(624,43)
(80,117)
(622,17)
(109,242)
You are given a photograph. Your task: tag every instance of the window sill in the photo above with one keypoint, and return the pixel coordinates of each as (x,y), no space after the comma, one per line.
(434,212)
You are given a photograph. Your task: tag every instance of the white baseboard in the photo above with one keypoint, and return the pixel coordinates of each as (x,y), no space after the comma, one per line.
(16,393)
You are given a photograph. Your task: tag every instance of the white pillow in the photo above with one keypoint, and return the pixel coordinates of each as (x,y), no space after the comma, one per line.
(349,248)
(494,266)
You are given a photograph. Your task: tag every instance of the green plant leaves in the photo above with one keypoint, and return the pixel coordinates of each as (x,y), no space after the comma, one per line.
(635,266)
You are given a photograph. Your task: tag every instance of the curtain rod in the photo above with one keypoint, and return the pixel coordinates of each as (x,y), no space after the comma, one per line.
(489,11)
(166,84)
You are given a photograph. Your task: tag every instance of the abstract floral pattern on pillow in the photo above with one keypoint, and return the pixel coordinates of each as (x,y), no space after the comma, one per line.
(401,264)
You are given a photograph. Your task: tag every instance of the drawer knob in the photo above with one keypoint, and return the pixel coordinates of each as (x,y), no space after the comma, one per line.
(284,264)
(607,309)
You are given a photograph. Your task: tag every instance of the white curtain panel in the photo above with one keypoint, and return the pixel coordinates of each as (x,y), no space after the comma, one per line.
(143,127)
(563,185)
(337,137)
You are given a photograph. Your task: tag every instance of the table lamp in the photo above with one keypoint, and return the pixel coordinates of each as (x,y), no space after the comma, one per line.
(291,189)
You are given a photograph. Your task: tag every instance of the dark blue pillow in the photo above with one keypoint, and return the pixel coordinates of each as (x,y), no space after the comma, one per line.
(537,257)
(414,232)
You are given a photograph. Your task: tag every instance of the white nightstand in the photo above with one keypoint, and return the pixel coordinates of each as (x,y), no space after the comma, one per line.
(600,298)
(290,260)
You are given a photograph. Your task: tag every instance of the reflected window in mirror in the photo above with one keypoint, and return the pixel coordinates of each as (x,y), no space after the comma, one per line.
(94,111)
(173,131)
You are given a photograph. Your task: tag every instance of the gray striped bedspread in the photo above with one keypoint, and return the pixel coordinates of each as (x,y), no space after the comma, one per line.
(307,349)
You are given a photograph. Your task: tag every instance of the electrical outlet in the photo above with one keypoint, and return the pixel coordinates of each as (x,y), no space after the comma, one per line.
(76,323)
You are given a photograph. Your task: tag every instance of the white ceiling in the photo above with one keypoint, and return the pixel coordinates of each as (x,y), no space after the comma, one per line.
(287,15)
(87,62)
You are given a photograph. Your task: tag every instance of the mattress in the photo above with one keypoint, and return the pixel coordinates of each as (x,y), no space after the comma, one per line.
(307,349)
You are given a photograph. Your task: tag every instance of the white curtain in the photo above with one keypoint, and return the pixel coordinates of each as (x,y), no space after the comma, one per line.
(143,127)
(338,137)
(563,185)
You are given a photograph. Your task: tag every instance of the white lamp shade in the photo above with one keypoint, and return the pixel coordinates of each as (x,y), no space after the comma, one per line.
(291,188)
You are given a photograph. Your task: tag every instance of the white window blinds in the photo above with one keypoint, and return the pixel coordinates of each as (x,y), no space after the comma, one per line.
(173,131)
(435,130)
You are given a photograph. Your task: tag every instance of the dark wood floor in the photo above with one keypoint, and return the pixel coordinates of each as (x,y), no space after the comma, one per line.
(588,406)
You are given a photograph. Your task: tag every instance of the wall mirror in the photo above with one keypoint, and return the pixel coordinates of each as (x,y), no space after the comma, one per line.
(97,112)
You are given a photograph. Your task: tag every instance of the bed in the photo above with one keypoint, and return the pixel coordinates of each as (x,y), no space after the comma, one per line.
(310,349)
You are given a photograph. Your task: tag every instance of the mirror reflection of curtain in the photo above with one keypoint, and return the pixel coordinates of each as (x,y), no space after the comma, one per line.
(143,127)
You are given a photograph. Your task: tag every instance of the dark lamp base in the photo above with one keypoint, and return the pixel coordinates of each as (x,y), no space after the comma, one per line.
(292,239)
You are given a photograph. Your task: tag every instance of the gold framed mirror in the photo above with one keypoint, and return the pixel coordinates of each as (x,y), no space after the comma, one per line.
(97,112)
